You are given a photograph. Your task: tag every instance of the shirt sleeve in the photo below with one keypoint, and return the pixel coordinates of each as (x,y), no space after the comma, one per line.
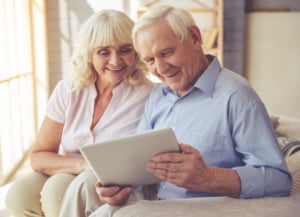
(265,172)
(57,105)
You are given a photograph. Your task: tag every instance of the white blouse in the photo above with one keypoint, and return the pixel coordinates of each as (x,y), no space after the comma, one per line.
(75,110)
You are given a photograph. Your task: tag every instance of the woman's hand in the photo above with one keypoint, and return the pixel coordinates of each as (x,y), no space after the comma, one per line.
(84,164)
(113,195)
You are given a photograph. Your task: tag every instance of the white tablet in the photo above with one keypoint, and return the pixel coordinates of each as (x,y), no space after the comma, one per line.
(123,161)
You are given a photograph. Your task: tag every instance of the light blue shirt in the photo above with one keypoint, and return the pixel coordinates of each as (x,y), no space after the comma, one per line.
(226,121)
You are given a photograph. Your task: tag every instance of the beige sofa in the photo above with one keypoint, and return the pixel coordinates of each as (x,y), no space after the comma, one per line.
(288,130)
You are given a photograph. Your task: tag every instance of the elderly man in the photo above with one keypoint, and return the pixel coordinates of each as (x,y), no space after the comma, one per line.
(228,146)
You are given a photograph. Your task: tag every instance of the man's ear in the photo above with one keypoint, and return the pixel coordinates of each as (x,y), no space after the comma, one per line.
(196,36)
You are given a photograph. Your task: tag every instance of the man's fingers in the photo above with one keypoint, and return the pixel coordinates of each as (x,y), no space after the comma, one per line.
(187,149)
(168,157)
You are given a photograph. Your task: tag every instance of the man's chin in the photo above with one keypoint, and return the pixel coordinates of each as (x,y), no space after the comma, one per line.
(174,87)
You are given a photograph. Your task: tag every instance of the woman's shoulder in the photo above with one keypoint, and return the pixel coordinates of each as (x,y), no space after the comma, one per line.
(144,86)
(148,84)
(63,84)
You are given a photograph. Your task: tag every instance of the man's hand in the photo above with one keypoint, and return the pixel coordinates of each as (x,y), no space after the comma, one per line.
(114,195)
(188,170)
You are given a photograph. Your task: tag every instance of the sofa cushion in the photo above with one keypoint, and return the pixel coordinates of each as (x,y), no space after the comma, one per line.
(293,163)
(214,207)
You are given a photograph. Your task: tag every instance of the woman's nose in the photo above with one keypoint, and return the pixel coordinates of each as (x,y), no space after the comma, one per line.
(115,59)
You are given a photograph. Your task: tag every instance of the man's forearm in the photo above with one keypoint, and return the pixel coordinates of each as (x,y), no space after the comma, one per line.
(225,182)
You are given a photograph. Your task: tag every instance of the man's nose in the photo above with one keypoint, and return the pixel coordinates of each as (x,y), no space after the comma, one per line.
(162,66)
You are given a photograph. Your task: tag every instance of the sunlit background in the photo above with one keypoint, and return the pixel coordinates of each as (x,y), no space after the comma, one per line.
(23,79)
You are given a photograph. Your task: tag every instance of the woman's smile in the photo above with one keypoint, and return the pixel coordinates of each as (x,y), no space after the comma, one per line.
(117,70)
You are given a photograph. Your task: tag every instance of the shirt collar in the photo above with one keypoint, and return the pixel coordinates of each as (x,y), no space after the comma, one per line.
(206,82)
(119,88)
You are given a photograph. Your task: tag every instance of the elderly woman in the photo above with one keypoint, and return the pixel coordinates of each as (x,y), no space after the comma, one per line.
(103,98)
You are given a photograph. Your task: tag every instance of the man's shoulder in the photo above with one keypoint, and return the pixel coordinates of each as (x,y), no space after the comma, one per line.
(156,93)
(233,82)
(158,89)
(237,88)
(234,77)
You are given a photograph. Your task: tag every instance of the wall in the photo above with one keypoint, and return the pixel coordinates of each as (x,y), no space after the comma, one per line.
(254,5)
(272,59)
(272,53)
(64,19)
(234,35)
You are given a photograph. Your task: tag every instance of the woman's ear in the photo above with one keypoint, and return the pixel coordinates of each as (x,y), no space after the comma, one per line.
(90,57)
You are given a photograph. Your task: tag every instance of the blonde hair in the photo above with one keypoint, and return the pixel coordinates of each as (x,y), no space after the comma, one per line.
(104,28)
(178,19)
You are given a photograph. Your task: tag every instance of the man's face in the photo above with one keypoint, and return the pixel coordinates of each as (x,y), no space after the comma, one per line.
(175,63)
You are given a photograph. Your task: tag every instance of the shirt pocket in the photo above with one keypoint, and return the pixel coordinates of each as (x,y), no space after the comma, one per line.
(210,146)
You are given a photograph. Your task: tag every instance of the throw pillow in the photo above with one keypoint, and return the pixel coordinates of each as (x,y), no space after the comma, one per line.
(293,163)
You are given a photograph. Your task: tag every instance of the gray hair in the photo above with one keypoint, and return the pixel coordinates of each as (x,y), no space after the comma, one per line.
(178,19)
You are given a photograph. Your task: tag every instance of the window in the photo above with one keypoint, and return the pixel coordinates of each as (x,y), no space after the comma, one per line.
(23,79)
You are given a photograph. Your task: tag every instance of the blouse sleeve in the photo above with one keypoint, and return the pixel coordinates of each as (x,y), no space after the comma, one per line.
(57,105)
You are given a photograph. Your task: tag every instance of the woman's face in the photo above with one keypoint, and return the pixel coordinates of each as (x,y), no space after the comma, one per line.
(113,63)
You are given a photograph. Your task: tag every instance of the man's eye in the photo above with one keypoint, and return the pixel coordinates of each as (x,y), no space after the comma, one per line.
(149,61)
(167,52)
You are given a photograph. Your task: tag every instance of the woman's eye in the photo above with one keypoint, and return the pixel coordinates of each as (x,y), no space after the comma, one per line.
(125,50)
(149,61)
(103,52)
